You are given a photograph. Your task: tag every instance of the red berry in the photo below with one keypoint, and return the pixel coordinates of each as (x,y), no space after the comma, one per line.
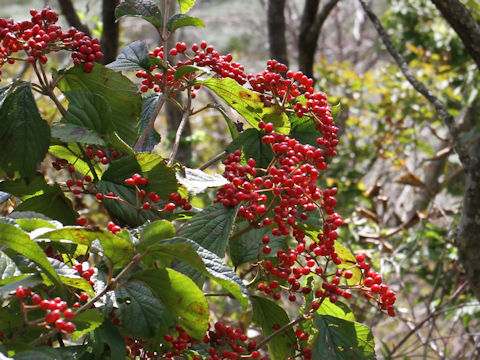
(81,221)
(36,299)
(69,327)
(99,196)
(68,314)
(84,297)
(21,293)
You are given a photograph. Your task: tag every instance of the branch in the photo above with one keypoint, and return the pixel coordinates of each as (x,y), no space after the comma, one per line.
(462,21)
(276,30)
(447,118)
(187,112)
(71,15)
(110,32)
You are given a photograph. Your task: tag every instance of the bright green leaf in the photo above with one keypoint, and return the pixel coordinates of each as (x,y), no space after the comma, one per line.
(185,5)
(180,20)
(86,322)
(348,260)
(338,310)
(154,232)
(186,69)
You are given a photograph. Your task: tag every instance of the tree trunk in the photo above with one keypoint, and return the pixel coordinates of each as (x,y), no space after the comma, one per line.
(71,15)
(110,33)
(310,29)
(462,21)
(276,30)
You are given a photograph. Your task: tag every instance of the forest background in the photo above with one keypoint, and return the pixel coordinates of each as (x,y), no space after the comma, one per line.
(404,191)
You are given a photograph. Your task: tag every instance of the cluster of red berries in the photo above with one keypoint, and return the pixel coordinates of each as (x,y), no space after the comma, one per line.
(224,342)
(135,349)
(58,313)
(100,155)
(86,274)
(40,35)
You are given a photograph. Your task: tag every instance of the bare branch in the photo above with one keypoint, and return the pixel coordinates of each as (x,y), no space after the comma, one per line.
(71,15)
(110,32)
(276,30)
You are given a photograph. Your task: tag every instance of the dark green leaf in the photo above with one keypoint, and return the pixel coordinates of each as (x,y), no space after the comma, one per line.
(49,353)
(20,242)
(146,9)
(150,103)
(86,322)
(186,69)
(339,339)
(69,277)
(107,334)
(139,310)
(205,262)
(181,20)
(197,181)
(75,133)
(154,232)
(231,126)
(24,135)
(117,249)
(185,5)
(266,314)
(161,177)
(22,189)
(249,246)
(119,92)
(248,104)
(133,57)
(181,297)
(89,111)
(211,228)
(250,142)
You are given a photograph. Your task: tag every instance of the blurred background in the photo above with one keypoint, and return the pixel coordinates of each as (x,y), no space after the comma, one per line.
(401,185)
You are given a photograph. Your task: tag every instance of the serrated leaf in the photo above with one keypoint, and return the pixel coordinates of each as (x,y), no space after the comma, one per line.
(180,20)
(197,181)
(20,242)
(211,228)
(24,135)
(75,133)
(118,91)
(181,297)
(136,301)
(249,246)
(146,9)
(250,142)
(134,56)
(150,103)
(8,268)
(186,69)
(340,339)
(117,249)
(266,314)
(248,104)
(205,262)
(86,322)
(154,232)
(185,5)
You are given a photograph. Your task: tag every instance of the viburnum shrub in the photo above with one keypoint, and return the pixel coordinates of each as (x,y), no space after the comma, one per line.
(147,282)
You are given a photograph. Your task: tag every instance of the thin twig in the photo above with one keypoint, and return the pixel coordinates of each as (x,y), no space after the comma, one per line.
(213,160)
(186,114)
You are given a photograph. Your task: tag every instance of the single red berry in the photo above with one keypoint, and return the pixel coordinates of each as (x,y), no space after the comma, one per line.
(104,160)
(84,297)
(69,327)
(59,324)
(68,314)
(99,196)
(21,293)
(81,221)
(70,182)
(36,299)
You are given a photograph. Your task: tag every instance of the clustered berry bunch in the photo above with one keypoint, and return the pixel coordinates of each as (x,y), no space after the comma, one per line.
(40,35)
(58,314)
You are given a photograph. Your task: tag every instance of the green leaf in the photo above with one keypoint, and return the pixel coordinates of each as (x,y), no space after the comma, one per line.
(134,56)
(31,224)
(185,5)
(197,181)
(338,310)
(75,133)
(89,111)
(8,268)
(139,309)
(107,334)
(69,277)
(181,297)
(49,353)
(211,228)
(24,135)
(181,20)
(250,142)
(348,260)
(20,242)
(231,126)
(266,314)
(150,103)
(248,104)
(155,231)
(161,177)
(205,262)
(118,91)
(186,69)
(86,322)
(73,155)
(249,246)
(146,9)
(340,339)
(117,249)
